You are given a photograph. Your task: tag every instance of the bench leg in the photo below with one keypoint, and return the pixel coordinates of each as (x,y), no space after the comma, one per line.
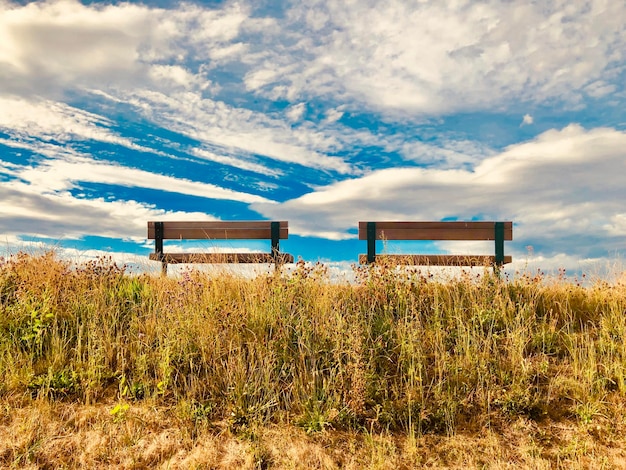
(499,239)
(158,245)
(371,242)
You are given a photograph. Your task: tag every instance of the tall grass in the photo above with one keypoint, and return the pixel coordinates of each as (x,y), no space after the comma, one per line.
(397,350)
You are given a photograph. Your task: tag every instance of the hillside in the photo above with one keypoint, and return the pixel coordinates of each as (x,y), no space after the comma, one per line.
(103,368)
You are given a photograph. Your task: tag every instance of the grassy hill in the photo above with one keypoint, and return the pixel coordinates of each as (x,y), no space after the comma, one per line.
(100,368)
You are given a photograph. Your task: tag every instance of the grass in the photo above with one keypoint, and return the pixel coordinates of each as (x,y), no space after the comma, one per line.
(291,370)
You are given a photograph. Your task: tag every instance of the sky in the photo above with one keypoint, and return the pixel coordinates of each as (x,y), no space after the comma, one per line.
(323,113)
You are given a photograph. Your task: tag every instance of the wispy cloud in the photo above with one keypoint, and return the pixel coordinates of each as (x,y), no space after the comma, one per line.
(60,175)
(462,56)
(58,216)
(120,51)
(46,120)
(245,131)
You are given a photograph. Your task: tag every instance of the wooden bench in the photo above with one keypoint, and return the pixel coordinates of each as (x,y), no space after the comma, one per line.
(498,231)
(218,230)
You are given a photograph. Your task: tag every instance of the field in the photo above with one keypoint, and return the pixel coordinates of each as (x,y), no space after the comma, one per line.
(100,368)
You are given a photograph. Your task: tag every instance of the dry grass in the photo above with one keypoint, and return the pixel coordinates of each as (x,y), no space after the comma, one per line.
(398,370)
(62,435)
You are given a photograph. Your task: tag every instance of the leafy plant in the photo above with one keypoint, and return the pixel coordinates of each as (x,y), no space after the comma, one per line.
(119,412)
(60,384)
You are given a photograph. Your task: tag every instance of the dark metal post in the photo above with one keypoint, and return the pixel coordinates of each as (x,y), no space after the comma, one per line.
(499,237)
(275,227)
(158,245)
(371,242)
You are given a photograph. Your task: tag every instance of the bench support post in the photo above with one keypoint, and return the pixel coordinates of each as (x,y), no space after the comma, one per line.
(499,238)
(275,232)
(371,242)
(158,245)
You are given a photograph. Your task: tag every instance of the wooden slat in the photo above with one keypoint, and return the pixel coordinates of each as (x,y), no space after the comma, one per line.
(175,258)
(437,260)
(436,230)
(438,234)
(478,224)
(218,230)
(218,234)
(221,224)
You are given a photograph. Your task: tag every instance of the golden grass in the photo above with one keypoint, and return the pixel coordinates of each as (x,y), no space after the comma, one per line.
(99,368)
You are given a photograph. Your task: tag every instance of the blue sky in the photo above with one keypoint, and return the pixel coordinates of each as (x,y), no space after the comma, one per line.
(322,113)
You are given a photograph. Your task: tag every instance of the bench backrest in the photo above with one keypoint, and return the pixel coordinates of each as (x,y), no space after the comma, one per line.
(218,230)
(454,230)
(434,230)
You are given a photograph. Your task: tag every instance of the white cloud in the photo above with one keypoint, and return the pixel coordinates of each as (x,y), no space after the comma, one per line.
(251,133)
(175,76)
(564,190)
(51,129)
(66,167)
(462,56)
(33,122)
(600,89)
(61,175)
(527,120)
(241,134)
(295,112)
(78,256)
(616,225)
(445,153)
(49,47)
(438,57)
(45,120)
(236,162)
(36,200)
(333,115)
(59,215)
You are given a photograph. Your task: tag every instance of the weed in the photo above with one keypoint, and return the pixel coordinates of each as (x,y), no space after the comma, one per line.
(60,384)
(119,412)
(315,418)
